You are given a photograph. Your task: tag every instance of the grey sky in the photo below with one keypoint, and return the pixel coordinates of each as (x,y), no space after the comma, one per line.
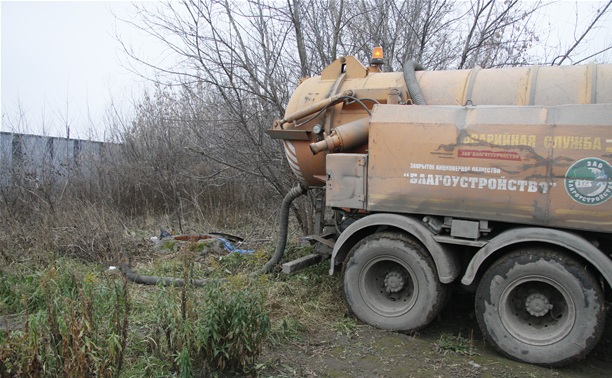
(60,62)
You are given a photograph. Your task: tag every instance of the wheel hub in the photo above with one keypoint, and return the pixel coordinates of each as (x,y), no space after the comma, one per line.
(394,282)
(537,304)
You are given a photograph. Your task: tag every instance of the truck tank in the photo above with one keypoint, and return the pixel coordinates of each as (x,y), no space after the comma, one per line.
(535,142)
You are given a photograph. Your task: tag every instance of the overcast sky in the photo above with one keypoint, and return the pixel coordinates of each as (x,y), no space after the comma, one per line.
(60,63)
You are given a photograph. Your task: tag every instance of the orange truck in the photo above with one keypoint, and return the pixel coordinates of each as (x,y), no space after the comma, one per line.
(496,180)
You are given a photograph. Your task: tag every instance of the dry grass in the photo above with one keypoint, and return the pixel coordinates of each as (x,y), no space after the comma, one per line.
(296,305)
(87,226)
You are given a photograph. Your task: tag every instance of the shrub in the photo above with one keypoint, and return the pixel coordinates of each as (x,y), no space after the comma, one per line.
(80,331)
(232,328)
(218,327)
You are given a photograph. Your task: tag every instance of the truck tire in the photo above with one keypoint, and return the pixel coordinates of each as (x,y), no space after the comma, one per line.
(540,306)
(390,282)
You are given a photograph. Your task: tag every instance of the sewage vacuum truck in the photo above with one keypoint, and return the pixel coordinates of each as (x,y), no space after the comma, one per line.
(497,180)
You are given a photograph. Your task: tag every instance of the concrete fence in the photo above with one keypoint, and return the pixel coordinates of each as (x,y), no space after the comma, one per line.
(38,157)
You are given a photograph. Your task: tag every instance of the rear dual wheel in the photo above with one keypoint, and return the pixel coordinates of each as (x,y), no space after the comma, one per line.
(390,282)
(540,306)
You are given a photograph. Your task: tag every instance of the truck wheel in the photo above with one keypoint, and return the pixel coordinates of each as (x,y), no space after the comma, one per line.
(390,282)
(540,306)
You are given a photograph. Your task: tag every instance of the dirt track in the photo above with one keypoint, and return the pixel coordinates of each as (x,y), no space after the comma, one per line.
(369,352)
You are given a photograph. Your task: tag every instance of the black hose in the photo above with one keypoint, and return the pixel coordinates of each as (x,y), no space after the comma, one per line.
(294,193)
(414,90)
(156,280)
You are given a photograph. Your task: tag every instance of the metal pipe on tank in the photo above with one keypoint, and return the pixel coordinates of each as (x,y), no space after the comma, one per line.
(344,137)
(312,109)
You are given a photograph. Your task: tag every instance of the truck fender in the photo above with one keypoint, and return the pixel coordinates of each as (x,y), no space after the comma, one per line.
(568,240)
(447,263)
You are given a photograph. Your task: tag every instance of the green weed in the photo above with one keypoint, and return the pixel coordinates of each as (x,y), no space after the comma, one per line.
(232,328)
(287,329)
(80,331)
(74,328)
(454,344)
(345,326)
(220,327)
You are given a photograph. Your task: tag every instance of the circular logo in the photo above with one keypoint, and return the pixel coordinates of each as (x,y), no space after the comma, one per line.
(589,181)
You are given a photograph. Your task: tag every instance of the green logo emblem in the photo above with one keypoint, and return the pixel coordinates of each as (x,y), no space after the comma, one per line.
(589,181)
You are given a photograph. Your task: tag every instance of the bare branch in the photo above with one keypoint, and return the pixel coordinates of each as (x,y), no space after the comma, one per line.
(587,30)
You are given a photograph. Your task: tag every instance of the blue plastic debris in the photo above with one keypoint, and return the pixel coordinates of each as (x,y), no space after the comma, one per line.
(230,248)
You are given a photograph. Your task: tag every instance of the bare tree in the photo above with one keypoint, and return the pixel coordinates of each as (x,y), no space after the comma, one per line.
(237,62)
(498,33)
(605,10)
(230,69)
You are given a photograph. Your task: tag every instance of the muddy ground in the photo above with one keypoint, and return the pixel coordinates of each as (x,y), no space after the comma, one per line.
(452,346)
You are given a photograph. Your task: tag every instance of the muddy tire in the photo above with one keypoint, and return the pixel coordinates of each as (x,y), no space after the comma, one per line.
(540,306)
(390,282)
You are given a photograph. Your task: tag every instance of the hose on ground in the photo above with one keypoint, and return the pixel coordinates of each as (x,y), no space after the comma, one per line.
(157,280)
(293,194)
(414,90)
